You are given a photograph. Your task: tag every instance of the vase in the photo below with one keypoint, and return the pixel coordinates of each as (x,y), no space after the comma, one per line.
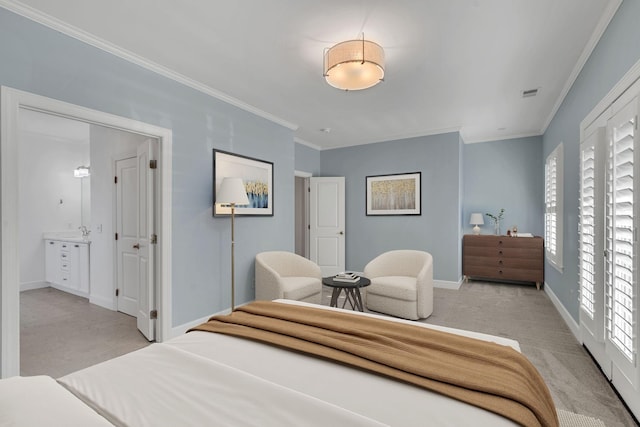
(496,226)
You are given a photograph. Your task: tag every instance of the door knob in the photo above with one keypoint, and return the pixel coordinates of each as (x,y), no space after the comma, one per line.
(136,246)
(341,233)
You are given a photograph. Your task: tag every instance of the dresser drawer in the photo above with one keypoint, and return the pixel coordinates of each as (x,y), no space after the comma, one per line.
(526,263)
(480,260)
(519,242)
(502,241)
(520,274)
(504,273)
(484,271)
(492,252)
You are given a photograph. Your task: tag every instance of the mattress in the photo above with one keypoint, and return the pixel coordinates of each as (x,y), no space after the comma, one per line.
(203,378)
(40,401)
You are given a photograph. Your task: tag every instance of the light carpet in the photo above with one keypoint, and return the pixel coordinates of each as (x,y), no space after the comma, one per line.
(569,419)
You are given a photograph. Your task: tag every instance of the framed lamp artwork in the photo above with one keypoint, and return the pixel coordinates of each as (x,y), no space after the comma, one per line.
(257,176)
(396,194)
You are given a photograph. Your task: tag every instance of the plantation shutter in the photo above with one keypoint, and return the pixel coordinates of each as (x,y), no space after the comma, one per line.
(621,275)
(591,232)
(551,200)
(553,207)
(587,231)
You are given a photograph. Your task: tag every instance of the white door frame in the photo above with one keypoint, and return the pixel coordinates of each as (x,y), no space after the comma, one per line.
(10,103)
(306,176)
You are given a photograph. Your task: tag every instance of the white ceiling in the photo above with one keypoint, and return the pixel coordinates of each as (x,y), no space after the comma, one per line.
(450,64)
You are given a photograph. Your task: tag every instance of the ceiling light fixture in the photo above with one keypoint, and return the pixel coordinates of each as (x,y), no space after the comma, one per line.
(354,64)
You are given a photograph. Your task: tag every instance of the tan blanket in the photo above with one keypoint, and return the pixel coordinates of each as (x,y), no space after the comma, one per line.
(484,374)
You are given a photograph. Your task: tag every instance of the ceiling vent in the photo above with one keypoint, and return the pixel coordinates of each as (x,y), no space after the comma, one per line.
(529,93)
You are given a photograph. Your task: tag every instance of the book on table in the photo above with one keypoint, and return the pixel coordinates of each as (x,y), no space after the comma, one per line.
(346,277)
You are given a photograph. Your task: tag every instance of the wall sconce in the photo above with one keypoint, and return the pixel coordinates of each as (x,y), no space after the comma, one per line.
(81,172)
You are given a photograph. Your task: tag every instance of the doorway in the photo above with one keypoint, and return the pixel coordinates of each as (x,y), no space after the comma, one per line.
(320,221)
(301,200)
(14,104)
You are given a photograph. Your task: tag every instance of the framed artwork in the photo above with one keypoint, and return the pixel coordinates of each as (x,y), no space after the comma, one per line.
(257,176)
(396,194)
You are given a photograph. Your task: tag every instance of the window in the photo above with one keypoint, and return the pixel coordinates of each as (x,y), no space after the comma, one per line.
(553,207)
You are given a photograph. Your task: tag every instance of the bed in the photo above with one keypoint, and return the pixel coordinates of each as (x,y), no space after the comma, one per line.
(204,378)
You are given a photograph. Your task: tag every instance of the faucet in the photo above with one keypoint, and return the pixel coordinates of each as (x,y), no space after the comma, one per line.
(85,231)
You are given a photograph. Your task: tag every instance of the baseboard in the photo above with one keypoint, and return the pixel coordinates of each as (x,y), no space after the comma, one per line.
(568,319)
(181,329)
(445,284)
(104,302)
(69,291)
(39,284)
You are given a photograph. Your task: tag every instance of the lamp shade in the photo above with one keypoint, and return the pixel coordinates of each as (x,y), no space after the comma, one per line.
(476,219)
(232,191)
(354,65)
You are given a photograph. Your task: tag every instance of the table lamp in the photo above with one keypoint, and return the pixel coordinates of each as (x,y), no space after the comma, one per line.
(476,219)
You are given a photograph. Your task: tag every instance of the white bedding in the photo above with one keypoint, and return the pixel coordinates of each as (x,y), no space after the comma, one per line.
(162,385)
(40,401)
(204,378)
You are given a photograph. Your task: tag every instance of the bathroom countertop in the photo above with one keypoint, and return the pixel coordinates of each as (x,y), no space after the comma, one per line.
(66,236)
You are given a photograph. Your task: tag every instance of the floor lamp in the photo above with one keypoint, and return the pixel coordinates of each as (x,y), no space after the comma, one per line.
(232,193)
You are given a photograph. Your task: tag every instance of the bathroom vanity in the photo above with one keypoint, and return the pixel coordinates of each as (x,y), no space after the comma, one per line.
(67,263)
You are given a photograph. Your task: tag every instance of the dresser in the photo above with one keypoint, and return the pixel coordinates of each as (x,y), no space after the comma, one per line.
(519,259)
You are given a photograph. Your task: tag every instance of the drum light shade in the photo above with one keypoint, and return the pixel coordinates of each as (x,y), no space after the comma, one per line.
(354,65)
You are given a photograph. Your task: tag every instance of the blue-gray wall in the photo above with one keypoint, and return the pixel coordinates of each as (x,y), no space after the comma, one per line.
(457,179)
(617,51)
(436,231)
(307,159)
(505,174)
(45,62)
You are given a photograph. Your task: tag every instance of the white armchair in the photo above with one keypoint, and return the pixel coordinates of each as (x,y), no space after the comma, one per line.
(401,284)
(287,275)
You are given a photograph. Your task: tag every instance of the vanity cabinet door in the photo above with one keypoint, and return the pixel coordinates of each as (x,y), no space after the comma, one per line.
(71,253)
(83,268)
(52,261)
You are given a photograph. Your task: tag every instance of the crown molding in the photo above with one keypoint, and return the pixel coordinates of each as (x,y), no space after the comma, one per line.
(85,37)
(606,18)
(307,143)
(502,138)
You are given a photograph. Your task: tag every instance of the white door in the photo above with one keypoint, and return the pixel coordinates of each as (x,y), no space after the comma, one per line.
(621,273)
(327,224)
(135,248)
(591,259)
(146,239)
(127,268)
(608,245)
